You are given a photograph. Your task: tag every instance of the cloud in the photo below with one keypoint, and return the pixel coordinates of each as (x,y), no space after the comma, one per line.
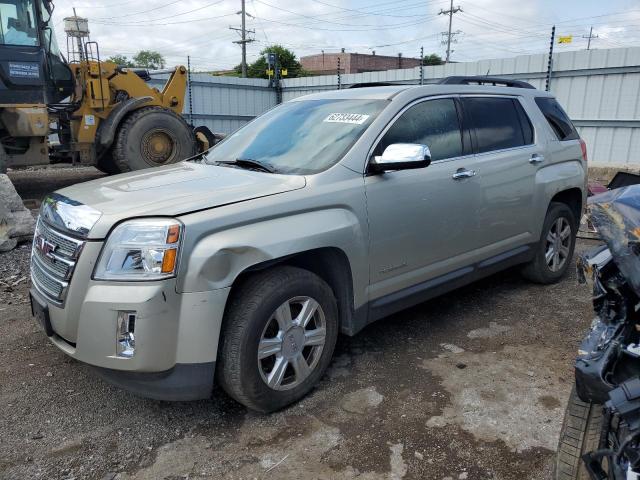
(488,28)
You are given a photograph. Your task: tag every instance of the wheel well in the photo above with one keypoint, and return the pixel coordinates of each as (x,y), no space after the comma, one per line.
(330,264)
(573,199)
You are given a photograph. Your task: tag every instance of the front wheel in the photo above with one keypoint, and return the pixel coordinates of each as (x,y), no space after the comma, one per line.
(580,434)
(554,250)
(278,338)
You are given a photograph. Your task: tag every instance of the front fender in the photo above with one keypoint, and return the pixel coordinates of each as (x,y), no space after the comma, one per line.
(108,128)
(217,259)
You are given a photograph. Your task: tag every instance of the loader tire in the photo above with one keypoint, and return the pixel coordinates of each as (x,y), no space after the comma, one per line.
(152,137)
(3,160)
(580,434)
(107,164)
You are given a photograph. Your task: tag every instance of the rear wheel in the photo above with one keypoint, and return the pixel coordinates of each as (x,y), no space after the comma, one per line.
(580,434)
(554,250)
(278,338)
(152,137)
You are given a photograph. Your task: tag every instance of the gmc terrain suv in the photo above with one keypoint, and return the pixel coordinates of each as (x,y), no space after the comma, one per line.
(321,216)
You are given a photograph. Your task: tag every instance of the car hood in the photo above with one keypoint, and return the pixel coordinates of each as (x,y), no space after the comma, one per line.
(90,209)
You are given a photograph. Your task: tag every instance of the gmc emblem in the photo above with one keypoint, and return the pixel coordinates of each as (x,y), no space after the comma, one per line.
(46,248)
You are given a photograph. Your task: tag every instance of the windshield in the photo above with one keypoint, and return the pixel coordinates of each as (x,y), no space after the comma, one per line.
(18,23)
(300,138)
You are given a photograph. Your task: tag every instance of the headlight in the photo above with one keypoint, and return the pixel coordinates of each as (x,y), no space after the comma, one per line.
(145,249)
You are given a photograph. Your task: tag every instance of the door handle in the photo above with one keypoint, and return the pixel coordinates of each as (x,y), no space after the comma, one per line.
(463,173)
(536,158)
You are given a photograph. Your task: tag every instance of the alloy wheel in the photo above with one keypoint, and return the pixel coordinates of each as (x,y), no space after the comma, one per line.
(291,343)
(558,244)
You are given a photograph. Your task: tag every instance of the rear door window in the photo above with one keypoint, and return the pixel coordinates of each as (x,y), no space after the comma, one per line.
(434,123)
(499,123)
(557,118)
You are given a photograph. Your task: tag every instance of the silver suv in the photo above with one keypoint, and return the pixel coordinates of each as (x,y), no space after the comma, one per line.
(321,216)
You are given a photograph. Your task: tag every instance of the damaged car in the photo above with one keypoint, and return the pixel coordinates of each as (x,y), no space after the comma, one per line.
(600,437)
(324,214)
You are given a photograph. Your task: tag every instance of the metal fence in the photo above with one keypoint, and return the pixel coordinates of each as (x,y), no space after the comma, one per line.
(224,104)
(599,88)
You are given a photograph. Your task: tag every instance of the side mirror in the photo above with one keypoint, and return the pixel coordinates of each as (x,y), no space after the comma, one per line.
(401,156)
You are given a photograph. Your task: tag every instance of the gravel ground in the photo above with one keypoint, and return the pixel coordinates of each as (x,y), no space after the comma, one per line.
(471,385)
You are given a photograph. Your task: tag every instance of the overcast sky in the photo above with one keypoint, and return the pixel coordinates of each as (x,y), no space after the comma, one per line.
(488,28)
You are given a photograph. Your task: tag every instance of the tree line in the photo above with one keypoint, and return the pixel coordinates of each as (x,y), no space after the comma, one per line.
(287,60)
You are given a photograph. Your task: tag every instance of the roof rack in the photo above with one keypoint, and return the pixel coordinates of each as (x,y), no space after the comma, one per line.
(375,84)
(483,80)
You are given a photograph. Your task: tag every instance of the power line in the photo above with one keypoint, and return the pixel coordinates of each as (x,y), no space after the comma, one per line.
(120,24)
(362,11)
(264,32)
(316,18)
(139,13)
(367,29)
(176,14)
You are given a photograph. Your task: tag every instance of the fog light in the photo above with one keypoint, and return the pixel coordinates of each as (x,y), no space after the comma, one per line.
(125,335)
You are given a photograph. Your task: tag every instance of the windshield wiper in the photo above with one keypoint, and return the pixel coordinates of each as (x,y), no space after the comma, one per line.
(251,163)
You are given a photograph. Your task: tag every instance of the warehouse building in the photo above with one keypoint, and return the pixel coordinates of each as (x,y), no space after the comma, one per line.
(327,63)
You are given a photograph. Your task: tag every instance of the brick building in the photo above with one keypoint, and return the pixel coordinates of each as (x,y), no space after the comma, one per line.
(327,63)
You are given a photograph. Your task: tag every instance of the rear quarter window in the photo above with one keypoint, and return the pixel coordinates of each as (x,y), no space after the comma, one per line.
(499,123)
(557,118)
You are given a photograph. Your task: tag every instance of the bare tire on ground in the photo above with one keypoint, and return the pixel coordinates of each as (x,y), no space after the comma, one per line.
(580,434)
(152,137)
(554,251)
(278,338)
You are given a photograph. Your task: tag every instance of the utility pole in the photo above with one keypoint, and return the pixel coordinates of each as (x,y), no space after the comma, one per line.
(450,12)
(590,36)
(421,65)
(243,38)
(189,90)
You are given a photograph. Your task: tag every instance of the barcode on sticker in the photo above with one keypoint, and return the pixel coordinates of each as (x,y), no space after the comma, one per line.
(354,118)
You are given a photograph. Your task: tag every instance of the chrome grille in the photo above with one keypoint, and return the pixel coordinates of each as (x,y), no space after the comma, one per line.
(65,245)
(53,259)
(46,283)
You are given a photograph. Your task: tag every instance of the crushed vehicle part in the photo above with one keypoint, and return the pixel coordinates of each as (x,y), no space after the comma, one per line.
(607,369)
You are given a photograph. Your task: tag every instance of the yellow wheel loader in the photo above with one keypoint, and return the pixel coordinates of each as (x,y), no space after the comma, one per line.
(83,111)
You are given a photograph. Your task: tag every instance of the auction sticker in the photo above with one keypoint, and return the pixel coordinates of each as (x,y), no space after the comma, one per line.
(353,118)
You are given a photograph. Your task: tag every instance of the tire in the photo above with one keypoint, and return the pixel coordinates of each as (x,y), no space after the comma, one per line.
(3,160)
(210,137)
(580,434)
(107,164)
(538,270)
(152,137)
(251,320)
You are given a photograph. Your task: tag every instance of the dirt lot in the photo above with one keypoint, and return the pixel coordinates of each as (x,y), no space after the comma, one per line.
(468,386)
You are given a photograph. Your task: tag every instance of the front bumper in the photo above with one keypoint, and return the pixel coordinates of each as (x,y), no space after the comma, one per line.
(185,381)
(176,334)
